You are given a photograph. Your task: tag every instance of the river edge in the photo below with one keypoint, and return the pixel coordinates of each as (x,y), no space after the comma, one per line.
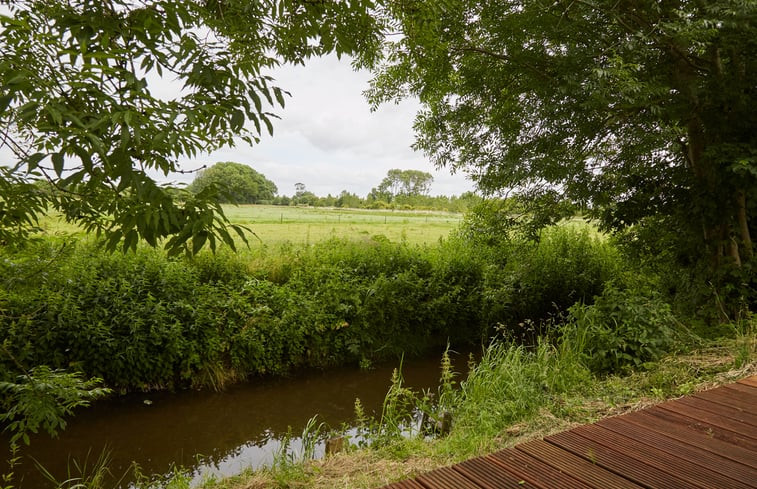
(706,367)
(145,436)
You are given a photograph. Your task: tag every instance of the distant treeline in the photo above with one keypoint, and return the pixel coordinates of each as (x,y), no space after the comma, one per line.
(375,200)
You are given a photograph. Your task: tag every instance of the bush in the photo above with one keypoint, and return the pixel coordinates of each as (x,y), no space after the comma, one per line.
(143,321)
(542,279)
(623,328)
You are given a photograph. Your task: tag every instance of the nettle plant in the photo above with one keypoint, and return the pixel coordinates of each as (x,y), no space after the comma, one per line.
(42,398)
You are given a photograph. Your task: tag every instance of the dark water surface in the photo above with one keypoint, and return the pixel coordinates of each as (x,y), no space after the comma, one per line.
(230,430)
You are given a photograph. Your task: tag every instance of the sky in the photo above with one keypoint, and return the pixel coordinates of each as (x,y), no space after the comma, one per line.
(329,140)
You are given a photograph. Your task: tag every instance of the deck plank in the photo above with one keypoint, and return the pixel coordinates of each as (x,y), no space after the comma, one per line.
(751,381)
(707,429)
(689,452)
(696,473)
(727,398)
(614,460)
(729,411)
(737,427)
(745,390)
(489,475)
(576,466)
(446,477)
(704,440)
(535,471)
(406,484)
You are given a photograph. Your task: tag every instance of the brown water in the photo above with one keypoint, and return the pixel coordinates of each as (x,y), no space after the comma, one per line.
(217,432)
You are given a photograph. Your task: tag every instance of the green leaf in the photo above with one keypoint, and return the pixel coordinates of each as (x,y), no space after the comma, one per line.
(237,120)
(198,241)
(58,161)
(5,101)
(130,241)
(32,161)
(268,124)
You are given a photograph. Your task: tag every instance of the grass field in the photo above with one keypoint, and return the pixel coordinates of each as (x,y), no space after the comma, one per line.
(299,225)
(275,225)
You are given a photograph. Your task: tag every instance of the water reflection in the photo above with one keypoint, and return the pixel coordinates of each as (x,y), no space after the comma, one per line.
(231,430)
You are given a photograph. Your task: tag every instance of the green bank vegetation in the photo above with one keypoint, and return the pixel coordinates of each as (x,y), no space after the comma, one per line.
(147,321)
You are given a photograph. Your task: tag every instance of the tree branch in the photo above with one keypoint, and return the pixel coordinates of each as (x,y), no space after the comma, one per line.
(504,57)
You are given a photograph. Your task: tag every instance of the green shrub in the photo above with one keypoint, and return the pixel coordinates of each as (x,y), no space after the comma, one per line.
(541,279)
(623,328)
(142,320)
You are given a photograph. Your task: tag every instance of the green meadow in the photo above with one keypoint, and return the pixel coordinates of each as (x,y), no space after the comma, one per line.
(307,225)
(275,225)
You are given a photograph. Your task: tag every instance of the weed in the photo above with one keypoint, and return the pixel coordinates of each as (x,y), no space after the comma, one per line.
(84,474)
(745,328)
(622,328)
(288,456)
(13,459)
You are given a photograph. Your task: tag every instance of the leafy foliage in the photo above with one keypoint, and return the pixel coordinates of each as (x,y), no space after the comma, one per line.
(531,282)
(144,320)
(42,398)
(623,328)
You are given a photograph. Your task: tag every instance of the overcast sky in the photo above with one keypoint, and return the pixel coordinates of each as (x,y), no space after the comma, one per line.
(328,139)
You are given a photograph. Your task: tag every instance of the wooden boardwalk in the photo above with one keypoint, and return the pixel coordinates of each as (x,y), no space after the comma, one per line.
(707,440)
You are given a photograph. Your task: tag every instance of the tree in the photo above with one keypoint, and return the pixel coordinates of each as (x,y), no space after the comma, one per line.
(348,200)
(237,183)
(643,111)
(78,106)
(405,183)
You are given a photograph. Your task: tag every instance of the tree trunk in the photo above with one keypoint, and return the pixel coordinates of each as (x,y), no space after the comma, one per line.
(733,252)
(746,239)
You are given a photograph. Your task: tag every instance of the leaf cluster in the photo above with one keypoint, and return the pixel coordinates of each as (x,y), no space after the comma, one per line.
(42,398)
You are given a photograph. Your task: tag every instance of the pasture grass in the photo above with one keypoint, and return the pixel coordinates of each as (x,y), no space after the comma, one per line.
(276,225)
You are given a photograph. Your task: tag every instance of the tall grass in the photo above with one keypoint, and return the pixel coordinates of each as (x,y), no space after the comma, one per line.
(511,383)
(90,473)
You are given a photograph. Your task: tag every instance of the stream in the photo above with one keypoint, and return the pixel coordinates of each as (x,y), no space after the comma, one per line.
(215,433)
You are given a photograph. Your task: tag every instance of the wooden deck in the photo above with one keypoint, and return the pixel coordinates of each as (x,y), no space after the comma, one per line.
(707,440)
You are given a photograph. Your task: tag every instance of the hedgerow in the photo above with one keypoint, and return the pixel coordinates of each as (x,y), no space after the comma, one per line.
(143,320)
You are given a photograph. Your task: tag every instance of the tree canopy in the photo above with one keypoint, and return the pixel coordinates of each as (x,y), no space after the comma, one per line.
(236,183)
(79,105)
(405,183)
(642,111)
